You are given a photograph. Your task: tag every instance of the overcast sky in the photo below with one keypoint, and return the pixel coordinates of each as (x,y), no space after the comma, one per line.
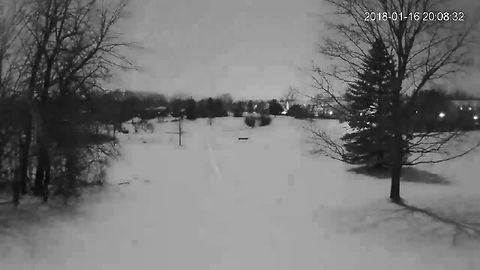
(249,48)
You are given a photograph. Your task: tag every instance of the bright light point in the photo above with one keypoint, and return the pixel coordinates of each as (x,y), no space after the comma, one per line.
(469,108)
(442,115)
(475,117)
(330,112)
(461,108)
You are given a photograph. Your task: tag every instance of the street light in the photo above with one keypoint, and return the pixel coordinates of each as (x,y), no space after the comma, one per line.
(442,115)
(475,117)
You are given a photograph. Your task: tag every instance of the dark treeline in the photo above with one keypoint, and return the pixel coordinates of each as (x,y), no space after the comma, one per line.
(433,110)
(220,106)
(460,95)
(204,108)
(80,137)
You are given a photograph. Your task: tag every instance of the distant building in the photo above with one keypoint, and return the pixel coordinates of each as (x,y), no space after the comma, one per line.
(286,104)
(329,107)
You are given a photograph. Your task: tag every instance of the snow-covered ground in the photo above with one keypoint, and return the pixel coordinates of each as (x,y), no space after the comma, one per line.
(265,203)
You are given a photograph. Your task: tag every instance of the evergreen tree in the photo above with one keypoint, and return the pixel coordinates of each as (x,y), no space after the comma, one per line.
(219,108)
(298,111)
(191,109)
(176,106)
(202,111)
(210,110)
(227,102)
(274,107)
(370,103)
(238,109)
(250,106)
(261,107)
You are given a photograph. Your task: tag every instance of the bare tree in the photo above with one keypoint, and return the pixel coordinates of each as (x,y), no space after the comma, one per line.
(11,82)
(70,47)
(427,45)
(291,97)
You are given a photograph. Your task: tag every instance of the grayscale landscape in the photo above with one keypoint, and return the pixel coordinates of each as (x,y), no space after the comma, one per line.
(250,134)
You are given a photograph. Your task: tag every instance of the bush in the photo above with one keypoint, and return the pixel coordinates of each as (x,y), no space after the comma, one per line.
(250,121)
(191,109)
(299,112)
(265,120)
(274,107)
(237,114)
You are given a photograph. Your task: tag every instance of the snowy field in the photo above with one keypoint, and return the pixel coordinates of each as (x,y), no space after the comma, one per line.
(262,204)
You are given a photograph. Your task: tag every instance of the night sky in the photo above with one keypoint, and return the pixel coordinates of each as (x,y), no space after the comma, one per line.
(249,48)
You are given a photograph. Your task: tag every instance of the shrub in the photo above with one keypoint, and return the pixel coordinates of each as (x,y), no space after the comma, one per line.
(191,109)
(299,112)
(237,114)
(265,120)
(274,107)
(250,121)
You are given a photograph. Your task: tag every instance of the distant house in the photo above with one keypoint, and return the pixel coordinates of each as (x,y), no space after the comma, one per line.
(329,108)
(286,104)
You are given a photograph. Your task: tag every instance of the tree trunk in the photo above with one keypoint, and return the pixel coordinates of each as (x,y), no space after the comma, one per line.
(46,179)
(396,169)
(395,188)
(180,131)
(37,188)
(397,147)
(71,175)
(16,188)
(24,155)
(43,171)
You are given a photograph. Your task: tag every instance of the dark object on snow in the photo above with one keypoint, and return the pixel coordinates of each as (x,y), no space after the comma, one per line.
(124,183)
(299,112)
(274,107)
(250,121)
(242,139)
(124,131)
(265,120)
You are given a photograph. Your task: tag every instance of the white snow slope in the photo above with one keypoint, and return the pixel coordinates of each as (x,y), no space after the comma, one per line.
(266,203)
